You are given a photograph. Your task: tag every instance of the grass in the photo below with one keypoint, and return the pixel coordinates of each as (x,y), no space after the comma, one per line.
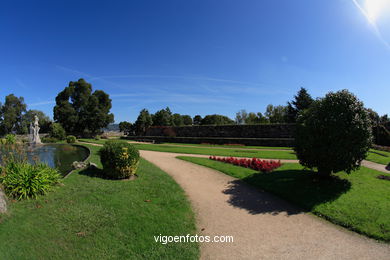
(211,151)
(229,146)
(377,156)
(374,155)
(94,218)
(358,201)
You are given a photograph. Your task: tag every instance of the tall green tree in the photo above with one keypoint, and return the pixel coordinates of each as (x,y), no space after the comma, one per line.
(301,102)
(334,134)
(81,111)
(11,113)
(143,122)
(163,117)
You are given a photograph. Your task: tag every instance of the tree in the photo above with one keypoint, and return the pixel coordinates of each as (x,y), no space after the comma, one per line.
(301,102)
(143,122)
(216,120)
(12,112)
(28,118)
(255,119)
(241,117)
(126,127)
(57,131)
(197,120)
(82,112)
(177,120)
(163,117)
(187,119)
(276,114)
(334,134)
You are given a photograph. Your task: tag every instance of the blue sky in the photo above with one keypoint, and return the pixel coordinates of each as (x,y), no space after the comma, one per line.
(197,57)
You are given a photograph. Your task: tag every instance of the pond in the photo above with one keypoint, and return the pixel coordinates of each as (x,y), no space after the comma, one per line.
(60,156)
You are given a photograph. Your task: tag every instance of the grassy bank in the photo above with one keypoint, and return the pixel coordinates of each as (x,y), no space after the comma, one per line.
(358,201)
(94,218)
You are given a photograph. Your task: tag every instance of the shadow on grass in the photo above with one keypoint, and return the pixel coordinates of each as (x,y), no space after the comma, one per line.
(381,154)
(93,172)
(301,187)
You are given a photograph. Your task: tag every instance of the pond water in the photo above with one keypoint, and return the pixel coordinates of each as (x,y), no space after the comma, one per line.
(60,156)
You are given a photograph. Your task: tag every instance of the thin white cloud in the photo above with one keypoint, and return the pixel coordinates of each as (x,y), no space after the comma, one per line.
(372,22)
(49,102)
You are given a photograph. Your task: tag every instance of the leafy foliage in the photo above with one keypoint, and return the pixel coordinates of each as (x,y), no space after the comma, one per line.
(276,114)
(10,139)
(126,127)
(216,120)
(143,122)
(334,134)
(57,131)
(177,120)
(22,180)
(197,120)
(119,159)
(82,112)
(49,140)
(163,117)
(301,102)
(28,118)
(11,114)
(71,139)
(187,119)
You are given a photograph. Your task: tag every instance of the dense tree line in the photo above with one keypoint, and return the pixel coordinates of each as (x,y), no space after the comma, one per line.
(16,119)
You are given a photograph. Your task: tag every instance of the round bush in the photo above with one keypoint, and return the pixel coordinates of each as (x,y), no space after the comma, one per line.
(70,139)
(334,134)
(119,159)
(57,131)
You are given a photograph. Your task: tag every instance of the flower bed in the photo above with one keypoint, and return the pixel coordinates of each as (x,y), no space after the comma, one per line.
(254,163)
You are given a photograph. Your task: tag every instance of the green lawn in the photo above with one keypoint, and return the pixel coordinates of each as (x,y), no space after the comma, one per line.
(94,218)
(358,201)
(377,156)
(211,151)
(229,146)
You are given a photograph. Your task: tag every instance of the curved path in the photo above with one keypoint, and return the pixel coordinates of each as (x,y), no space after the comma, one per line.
(263,226)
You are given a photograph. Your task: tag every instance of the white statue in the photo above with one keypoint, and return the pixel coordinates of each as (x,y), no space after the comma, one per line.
(34,132)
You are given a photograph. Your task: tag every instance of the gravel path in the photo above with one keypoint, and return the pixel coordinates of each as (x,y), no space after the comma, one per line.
(263,226)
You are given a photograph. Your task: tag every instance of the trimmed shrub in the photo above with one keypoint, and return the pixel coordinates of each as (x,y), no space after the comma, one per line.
(70,139)
(57,131)
(119,159)
(334,134)
(22,180)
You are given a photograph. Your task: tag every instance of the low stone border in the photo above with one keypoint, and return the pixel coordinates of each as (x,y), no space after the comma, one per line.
(3,202)
(85,161)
